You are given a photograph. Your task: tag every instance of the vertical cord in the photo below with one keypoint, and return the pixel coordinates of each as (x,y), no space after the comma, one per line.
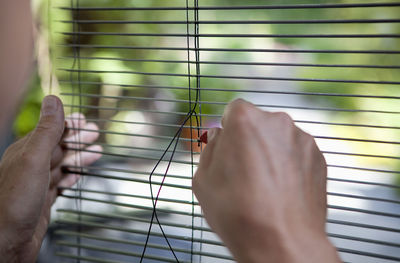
(73,99)
(190,122)
(197,58)
(49,45)
(77,161)
(80,181)
(192,112)
(197,66)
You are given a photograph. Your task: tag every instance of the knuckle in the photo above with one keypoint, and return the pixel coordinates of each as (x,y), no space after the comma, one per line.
(306,136)
(242,112)
(284,118)
(26,158)
(196,182)
(49,124)
(43,127)
(307,140)
(311,146)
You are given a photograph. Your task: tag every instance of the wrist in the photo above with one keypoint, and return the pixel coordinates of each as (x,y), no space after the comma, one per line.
(308,245)
(283,245)
(8,250)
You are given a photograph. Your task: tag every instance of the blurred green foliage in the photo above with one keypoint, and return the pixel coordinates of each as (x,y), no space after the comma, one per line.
(62,58)
(29,115)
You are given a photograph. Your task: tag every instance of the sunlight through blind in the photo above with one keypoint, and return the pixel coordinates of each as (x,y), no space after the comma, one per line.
(154,75)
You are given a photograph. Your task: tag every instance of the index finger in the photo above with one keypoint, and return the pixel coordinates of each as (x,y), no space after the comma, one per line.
(207,154)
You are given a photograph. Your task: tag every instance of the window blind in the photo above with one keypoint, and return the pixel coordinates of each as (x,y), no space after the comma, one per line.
(154,75)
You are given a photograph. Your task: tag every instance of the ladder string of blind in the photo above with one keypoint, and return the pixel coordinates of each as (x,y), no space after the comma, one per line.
(77,152)
(169,154)
(174,141)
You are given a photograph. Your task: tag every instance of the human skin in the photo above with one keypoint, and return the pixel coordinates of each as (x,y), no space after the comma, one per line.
(261,183)
(30,169)
(30,176)
(16,53)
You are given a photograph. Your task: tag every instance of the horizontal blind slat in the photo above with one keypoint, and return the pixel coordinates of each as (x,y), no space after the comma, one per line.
(234,77)
(164,137)
(116,251)
(81,144)
(330,94)
(335,207)
(233,35)
(240,63)
(222,103)
(247,7)
(258,50)
(196,163)
(136,243)
(203,127)
(140,232)
(199,240)
(219,115)
(178,201)
(136,180)
(126,217)
(236,22)
(87,258)
(131,171)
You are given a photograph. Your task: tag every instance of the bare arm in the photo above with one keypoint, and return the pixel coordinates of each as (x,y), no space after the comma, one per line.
(261,183)
(16,55)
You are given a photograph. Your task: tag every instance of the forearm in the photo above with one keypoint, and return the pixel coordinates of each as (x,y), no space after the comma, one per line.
(16,53)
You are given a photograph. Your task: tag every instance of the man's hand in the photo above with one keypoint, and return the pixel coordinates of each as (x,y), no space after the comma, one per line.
(261,183)
(30,173)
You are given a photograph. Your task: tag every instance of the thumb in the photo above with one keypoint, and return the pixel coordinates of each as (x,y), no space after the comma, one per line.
(50,128)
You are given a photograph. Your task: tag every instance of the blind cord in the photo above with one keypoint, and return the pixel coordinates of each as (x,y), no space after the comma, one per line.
(197,67)
(190,114)
(76,135)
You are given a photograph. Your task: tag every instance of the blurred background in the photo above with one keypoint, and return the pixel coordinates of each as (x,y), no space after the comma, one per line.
(127,71)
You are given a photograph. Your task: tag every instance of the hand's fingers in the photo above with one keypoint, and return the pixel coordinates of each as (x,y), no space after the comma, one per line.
(82,158)
(75,121)
(68,181)
(57,156)
(88,135)
(45,138)
(56,176)
(230,110)
(207,154)
(52,196)
(85,157)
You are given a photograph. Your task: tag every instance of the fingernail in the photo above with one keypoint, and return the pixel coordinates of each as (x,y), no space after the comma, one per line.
(49,105)
(211,134)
